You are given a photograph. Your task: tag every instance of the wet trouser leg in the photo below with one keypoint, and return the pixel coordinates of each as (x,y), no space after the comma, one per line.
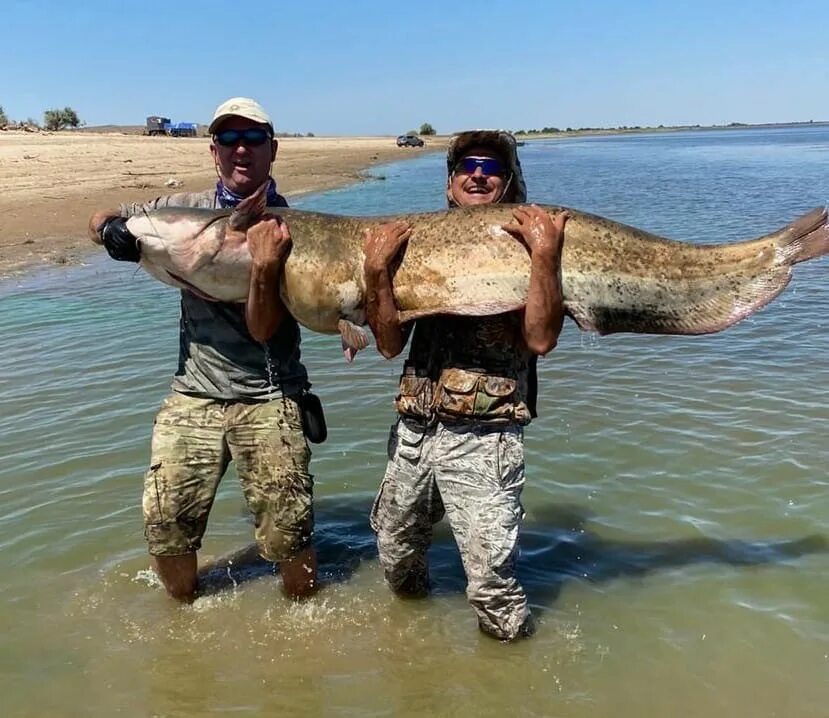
(479,472)
(405,508)
(272,456)
(189,457)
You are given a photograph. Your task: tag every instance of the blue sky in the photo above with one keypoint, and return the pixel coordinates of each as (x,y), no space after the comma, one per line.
(364,67)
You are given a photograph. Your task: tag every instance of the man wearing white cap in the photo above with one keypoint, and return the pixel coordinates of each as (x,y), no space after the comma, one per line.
(235,395)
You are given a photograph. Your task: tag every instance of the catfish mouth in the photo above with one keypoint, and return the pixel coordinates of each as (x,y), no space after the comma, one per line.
(191,288)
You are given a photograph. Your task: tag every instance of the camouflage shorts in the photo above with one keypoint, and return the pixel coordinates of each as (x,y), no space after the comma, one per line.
(195,439)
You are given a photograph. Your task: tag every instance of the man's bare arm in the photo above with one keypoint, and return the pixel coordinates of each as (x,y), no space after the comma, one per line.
(544,312)
(269,242)
(381,246)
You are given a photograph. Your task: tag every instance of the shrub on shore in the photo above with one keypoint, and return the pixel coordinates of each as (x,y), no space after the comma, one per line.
(58,119)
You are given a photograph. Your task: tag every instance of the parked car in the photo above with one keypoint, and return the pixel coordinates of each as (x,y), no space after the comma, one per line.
(409,140)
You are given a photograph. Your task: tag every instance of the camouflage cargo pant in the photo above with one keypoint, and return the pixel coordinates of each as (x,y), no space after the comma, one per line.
(475,474)
(193,442)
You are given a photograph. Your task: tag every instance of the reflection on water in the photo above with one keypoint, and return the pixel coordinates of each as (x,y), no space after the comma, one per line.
(675,544)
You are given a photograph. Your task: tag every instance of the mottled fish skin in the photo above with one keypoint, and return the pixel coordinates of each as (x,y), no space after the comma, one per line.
(615,278)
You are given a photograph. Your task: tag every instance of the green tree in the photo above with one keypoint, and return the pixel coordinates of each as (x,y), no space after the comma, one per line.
(3,119)
(427,129)
(58,119)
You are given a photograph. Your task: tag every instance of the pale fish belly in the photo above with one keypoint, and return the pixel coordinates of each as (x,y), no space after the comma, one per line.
(320,308)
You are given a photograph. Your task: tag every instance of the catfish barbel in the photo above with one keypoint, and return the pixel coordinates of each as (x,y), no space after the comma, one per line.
(615,278)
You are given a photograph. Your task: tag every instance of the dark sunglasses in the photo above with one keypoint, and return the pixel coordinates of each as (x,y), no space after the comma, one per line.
(488,165)
(252,137)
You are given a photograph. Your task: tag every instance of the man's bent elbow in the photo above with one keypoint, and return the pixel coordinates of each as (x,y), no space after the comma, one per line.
(388,352)
(540,347)
(388,348)
(263,332)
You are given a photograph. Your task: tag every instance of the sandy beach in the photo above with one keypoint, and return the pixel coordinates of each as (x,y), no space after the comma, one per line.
(50,183)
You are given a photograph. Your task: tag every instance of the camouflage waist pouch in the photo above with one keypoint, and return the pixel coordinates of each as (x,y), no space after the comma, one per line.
(464,394)
(414,397)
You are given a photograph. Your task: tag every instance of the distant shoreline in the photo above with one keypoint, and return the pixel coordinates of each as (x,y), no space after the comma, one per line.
(521,134)
(596,131)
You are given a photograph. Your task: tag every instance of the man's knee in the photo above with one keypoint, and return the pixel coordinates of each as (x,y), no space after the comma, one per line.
(174,538)
(404,565)
(283,513)
(277,542)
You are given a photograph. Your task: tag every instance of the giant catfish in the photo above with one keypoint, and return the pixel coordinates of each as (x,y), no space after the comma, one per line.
(615,278)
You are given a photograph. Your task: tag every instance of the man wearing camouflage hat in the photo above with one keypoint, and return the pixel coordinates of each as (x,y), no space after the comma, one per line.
(466,392)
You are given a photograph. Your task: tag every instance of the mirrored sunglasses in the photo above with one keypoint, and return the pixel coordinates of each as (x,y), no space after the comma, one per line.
(252,137)
(488,165)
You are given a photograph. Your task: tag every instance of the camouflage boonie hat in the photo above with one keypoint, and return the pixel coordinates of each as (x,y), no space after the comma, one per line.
(501,142)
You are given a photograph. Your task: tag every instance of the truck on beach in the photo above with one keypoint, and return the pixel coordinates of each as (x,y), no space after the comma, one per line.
(157,125)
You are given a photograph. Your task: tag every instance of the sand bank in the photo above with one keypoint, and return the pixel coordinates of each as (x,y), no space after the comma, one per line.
(51,183)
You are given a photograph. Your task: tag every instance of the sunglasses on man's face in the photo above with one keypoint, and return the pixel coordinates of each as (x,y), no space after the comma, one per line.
(488,165)
(252,137)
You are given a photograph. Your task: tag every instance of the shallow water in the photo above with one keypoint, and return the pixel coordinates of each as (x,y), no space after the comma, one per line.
(675,547)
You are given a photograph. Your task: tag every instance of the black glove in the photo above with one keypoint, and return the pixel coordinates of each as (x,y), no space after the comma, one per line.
(119,242)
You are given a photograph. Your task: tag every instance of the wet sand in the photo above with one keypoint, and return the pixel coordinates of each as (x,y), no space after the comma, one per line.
(50,183)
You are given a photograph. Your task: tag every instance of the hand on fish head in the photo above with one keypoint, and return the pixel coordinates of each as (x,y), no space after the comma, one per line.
(267,234)
(109,228)
(269,242)
(97,222)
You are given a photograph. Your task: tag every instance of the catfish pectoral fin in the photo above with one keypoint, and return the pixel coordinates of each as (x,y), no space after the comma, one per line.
(464,310)
(354,338)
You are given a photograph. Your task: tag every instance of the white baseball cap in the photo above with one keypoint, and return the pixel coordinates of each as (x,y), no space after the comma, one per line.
(240,107)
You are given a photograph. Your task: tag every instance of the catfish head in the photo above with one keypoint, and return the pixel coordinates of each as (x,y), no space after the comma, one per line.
(180,246)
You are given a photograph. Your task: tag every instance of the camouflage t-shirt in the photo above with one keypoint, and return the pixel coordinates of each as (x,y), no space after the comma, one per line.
(218,357)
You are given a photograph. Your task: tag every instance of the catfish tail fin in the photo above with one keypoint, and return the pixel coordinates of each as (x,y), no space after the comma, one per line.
(805,238)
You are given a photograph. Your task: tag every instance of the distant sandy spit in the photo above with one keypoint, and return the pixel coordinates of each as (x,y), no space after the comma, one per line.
(51,183)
